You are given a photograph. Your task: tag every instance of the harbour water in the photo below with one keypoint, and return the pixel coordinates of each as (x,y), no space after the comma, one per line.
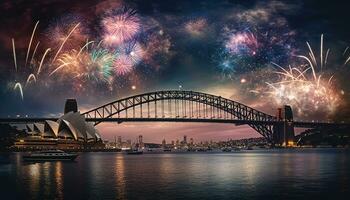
(268,174)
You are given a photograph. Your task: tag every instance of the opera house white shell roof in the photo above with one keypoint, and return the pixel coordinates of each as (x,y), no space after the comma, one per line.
(72,125)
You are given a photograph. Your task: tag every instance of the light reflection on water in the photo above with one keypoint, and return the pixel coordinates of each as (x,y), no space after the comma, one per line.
(278,174)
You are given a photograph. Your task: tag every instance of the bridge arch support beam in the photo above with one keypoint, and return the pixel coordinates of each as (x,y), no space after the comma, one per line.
(235,109)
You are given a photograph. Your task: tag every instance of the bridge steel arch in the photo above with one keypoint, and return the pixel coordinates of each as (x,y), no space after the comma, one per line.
(233,108)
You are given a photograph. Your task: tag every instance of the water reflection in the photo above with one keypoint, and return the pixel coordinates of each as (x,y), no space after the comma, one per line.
(120,177)
(36,179)
(241,175)
(59,180)
(33,178)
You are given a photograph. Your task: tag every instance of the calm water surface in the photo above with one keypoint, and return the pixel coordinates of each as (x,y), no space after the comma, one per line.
(273,174)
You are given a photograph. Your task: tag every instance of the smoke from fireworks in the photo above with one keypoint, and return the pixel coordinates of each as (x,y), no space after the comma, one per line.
(242,43)
(196,27)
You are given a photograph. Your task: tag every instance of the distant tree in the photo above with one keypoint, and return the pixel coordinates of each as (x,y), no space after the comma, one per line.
(8,135)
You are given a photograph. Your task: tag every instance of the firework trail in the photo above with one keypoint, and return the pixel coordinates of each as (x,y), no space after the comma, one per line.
(14,53)
(348,59)
(85,46)
(30,42)
(64,41)
(120,27)
(19,87)
(34,52)
(30,78)
(42,60)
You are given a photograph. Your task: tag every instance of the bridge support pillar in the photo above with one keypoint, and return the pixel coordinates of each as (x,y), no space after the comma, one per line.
(71,105)
(283,132)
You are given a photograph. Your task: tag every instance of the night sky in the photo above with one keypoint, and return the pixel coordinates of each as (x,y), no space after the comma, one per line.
(254,52)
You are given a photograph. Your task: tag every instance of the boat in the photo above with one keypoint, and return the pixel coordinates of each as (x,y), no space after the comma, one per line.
(134,152)
(249,148)
(49,155)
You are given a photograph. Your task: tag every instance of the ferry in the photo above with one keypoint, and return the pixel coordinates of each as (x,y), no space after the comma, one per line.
(134,152)
(49,155)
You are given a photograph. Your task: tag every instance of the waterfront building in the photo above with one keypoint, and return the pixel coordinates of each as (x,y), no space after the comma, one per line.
(71,131)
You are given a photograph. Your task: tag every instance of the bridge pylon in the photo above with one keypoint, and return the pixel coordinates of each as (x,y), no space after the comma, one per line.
(71,105)
(283,132)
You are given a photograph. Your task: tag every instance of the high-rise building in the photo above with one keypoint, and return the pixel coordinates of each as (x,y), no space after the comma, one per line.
(140,141)
(191,141)
(163,143)
(177,142)
(185,139)
(119,142)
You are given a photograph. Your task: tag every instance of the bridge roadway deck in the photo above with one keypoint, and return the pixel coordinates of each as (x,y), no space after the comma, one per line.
(301,124)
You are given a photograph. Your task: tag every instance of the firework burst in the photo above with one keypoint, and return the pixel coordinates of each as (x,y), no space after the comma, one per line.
(307,88)
(120,27)
(94,64)
(123,65)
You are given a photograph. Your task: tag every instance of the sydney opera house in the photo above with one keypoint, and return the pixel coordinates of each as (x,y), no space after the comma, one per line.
(70,131)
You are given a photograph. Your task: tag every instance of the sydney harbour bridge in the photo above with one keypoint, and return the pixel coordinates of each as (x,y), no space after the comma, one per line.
(191,106)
